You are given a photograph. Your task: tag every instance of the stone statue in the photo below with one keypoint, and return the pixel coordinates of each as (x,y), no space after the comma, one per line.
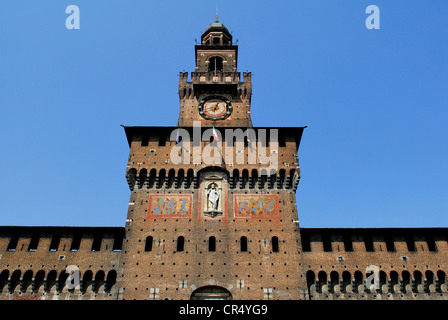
(213,197)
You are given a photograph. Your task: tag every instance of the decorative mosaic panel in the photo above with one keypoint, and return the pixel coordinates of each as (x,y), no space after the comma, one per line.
(256,206)
(174,206)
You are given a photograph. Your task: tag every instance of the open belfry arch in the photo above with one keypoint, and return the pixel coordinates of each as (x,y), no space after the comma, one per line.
(213,215)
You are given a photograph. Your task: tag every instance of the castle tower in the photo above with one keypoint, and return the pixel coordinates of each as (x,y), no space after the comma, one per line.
(215,92)
(212,211)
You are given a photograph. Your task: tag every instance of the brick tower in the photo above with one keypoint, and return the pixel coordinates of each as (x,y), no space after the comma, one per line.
(212,212)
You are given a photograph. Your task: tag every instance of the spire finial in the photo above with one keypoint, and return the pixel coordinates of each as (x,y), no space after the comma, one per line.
(217,16)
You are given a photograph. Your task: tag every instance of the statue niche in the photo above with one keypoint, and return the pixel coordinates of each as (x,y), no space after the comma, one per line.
(212,203)
(212,197)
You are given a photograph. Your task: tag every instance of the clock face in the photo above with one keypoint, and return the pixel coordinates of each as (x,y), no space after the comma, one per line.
(215,108)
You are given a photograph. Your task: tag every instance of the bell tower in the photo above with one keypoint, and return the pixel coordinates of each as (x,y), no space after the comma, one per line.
(216,95)
(213,218)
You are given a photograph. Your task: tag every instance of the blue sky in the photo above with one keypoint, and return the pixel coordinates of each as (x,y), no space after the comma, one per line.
(374,154)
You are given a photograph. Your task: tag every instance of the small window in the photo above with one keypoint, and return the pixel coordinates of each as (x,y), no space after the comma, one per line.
(180,244)
(431,243)
(348,244)
(306,245)
(145,140)
(118,242)
(215,64)
(326,242)
(13,242)
(368,243)
(274,242)
(243,244)
(96,244)
(212,244)
(34,242)
(148,244)
(410,243)
(162,140)
(390,245)
(55,242)
(76,242)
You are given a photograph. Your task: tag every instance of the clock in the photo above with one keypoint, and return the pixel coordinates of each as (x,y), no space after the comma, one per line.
(215,107)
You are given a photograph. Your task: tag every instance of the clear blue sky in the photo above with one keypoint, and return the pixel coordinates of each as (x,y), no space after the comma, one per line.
(375,152)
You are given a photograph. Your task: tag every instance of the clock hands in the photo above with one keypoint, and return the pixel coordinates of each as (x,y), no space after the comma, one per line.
(213,107)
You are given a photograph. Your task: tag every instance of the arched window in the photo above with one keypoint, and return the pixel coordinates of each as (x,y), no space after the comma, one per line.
(4,280)
(190,176)
(334,280)
(236,177)
(180,178)
(152,177)
(26,280)
(406,281)
(346,281)
(62,281)
(99,281)
(243,244)
(311,281)
(215,64)
(14,281)
(254,178)
(417,280)
(148,244)
(429,280)
(245,177)
(212,244)
(180,244)
(50,283)
(131,177)
(171,177)
(322,280)
(110,280)
(211,293)
(162,174)
(441,280)
(38,281)
(274,242)
(87,280)
(142,177)
(358,281)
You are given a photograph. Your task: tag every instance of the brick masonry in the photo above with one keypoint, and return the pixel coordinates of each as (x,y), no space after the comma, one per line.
(174,245)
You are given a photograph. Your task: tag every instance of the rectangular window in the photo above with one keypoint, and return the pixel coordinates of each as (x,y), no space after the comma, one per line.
(34,242)
(326,242)
(390,246)
(306,245)
(348,244)
(76,242)
(368,242)
(145,140)
(55,242)
(162,140)
(12,245)
(118,242)
(431,243)
(96,244)
(410,243)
